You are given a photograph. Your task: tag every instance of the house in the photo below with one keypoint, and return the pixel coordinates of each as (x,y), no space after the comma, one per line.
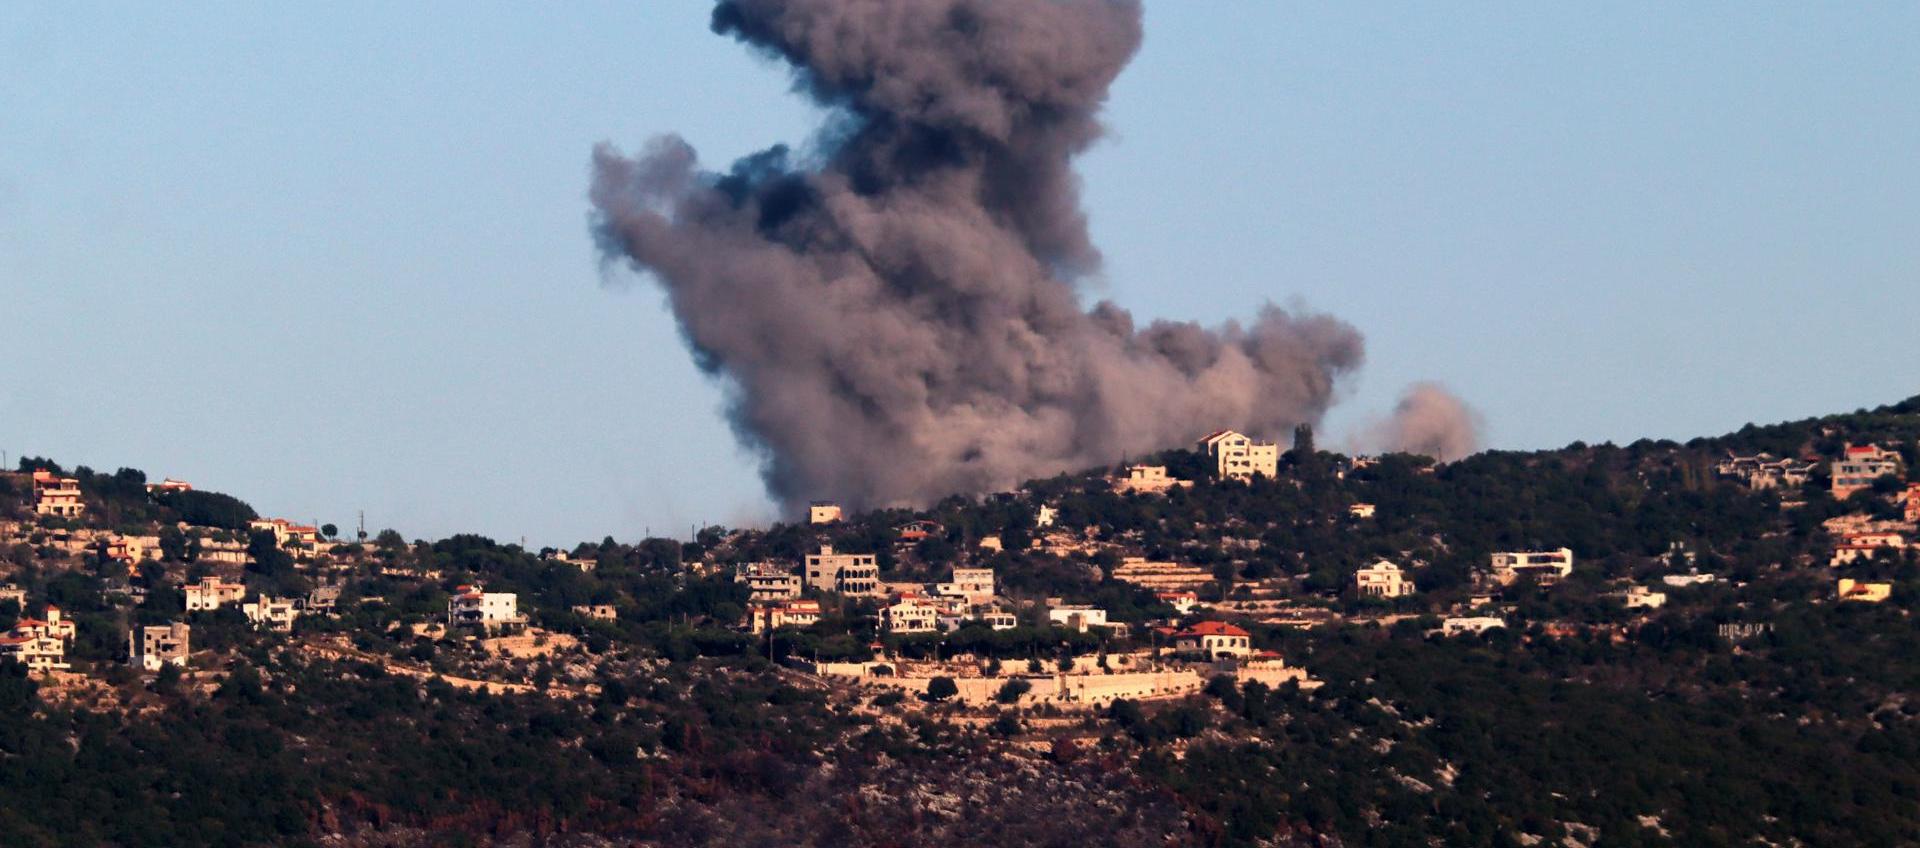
(1869,593)
(768,582)
(998,619)
(1641,597)
(848,574)
(1045,516)
(1681,581)
(976,585)
(909,615)
(1858,467)
(1382,579)
(1476,624)
(1763,471)
(823,512)
(1238,457)
(286,533)
(764,617)
(1858,546)
(39,644)
(991,543)
(1213,640)
(1077,616)
(149,648)
(1547,567)
(1182,602)
(56,496)
(1360,510)
(271,613)
(585,564)
(1146,479)
(918,529)
(489,611)
(169,485)
(598,612)
(15,594)
(211,593)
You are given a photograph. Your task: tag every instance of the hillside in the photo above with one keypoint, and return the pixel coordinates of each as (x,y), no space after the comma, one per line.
(1678,662)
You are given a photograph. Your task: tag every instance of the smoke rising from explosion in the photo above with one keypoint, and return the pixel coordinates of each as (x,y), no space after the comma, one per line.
(1430,421)
(898,321)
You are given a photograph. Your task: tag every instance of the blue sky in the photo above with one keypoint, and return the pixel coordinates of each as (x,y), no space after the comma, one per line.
(336,258)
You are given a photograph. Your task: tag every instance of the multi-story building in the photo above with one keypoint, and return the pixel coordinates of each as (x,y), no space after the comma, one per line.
(1238,457)
(1858,546)
(211,593)
(823,512)
(56,496)
(800,613)
(286,533)
(909,614)
(40,644)
(489,611)
(1858,467)
(848,574)
(975,585)
(1382,579)
(767,581)
(271,613)
(149,648)
(1547,567)
(1213,640)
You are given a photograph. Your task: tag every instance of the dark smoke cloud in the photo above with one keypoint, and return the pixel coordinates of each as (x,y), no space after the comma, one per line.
(1430,421)
(898,320)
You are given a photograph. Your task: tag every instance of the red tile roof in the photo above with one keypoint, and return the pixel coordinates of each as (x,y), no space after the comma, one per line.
(1213,628)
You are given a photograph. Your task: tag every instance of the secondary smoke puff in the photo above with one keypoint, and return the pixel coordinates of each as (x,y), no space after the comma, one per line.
(1429,420)
(898,321)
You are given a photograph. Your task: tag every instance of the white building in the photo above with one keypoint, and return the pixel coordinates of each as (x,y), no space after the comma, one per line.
(271,613)
(471,607)
(848,574)
(1681,581)
(768,582)
(999,619)
(211,593)
(55,496)
(1361,510)
(149,648)
(1475,624)
(909,615)
(1077,616)
(1764,471)
(1213,640)
(1382,579)
(1238,457)
(1545,566)
(823,512)
(1182,602)
(39,644)
(1044,517)
(1858,467)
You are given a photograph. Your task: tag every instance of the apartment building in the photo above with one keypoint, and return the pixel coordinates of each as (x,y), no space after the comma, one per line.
(489,611)
(909,614)
(848,574)
(1858,467)
(768,581)
(1239,457)
(57,497)
(975,585)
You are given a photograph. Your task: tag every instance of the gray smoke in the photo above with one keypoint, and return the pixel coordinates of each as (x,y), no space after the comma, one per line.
(895,317)
(1430,421)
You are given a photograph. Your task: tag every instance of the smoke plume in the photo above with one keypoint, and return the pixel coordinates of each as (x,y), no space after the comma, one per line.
(1430,421)
(895,316)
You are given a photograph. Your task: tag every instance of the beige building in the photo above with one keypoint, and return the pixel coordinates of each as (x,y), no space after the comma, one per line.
(1239,457)
(1382,579)
(1547,567)
(1147,480)
(39,644)
(1361,510)
(1077,616)
(768,582)
(149,648)
(1870,593)
(1858,467)
(1161,576)
(823,512)
(764,617)
(847,574)
(271,613)
(598,612)
(975,585)
(1641,597)
(909,615)
(211,593)
(58,497)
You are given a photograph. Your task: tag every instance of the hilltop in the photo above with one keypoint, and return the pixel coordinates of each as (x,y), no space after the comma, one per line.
(1596,645)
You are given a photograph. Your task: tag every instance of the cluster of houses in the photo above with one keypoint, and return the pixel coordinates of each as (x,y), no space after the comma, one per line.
(1855,470)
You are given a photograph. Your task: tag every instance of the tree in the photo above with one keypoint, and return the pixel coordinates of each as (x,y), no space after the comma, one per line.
(941,688)
(1010,692)
(329,531)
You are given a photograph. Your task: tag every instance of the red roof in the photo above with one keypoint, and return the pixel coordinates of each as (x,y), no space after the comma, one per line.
(1214,628)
